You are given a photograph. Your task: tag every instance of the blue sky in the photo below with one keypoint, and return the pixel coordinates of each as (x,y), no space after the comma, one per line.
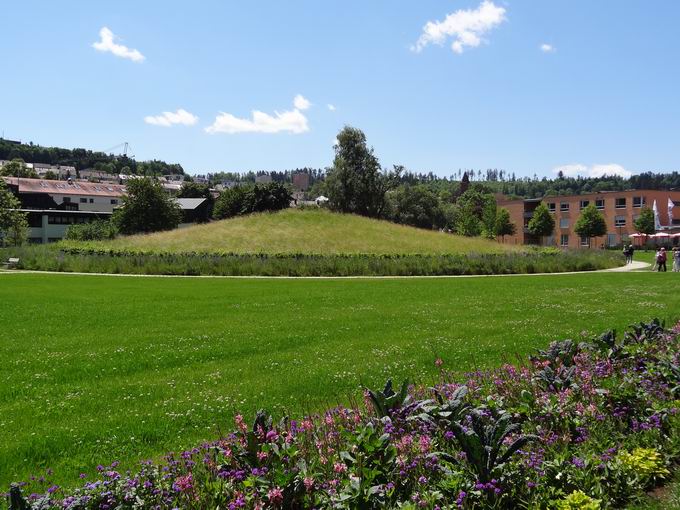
(606,93)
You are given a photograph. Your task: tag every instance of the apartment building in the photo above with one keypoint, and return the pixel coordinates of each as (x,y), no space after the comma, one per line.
(53,206)
(620,210)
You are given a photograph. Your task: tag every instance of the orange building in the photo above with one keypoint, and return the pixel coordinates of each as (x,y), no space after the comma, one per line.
(620,210)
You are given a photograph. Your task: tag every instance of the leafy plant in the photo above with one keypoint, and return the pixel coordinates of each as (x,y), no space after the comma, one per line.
(644,332)
(371,461)
(444,410)
(484,440)
(557,379)
(386,402)
(559,353)
(577,500)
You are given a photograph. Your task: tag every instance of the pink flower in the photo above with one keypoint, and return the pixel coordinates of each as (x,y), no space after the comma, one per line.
(309,483)
(275,496)
(261,456)
(339,467)
(438,362)
(183,483)
(424,444)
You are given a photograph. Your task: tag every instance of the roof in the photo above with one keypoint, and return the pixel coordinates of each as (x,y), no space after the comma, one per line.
(188,204)
(66,188)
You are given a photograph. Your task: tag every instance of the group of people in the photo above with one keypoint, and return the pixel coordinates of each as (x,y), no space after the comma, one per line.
(659,259)
(662,256)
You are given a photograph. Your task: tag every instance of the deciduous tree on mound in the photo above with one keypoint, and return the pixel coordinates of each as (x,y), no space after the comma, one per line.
(356,183)
(147,208)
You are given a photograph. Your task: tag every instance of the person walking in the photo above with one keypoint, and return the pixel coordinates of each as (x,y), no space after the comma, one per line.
(631,252)
(661,259)
(626,252)
(676,259)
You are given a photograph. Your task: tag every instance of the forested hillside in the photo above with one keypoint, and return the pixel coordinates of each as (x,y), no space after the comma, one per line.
(84,158)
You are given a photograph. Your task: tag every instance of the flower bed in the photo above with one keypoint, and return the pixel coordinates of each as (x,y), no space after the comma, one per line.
(578,426)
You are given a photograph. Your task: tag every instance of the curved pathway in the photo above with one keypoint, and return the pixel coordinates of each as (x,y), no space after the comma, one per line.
(634,266)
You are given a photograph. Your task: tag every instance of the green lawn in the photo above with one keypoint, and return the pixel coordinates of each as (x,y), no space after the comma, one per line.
(304,231)
(96,369)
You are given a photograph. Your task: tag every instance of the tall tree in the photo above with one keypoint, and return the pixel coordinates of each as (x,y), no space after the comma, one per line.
(147,208)
(13,223)
(541,224)
(645,223)
(464,183)
(591,223)
(475,213)
(355,183)
(504,227)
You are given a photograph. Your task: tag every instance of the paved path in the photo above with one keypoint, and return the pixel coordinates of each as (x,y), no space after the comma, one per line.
(635,266)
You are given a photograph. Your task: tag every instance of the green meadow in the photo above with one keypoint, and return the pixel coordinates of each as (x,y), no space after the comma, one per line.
(97,369)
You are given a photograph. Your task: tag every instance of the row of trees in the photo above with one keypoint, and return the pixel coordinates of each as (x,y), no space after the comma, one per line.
(591,222)
(357,184)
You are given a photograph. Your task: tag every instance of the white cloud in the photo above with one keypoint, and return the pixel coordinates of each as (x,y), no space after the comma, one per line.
(598,170)
(301,103)
(547,48)
(466,27)
(289,121)
(332,107)
(167,119)
(106,44)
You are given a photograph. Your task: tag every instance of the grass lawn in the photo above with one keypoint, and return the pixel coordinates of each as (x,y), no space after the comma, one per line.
(304,231)
(96,369)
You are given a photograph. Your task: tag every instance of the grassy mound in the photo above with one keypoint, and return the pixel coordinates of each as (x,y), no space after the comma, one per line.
(302,232)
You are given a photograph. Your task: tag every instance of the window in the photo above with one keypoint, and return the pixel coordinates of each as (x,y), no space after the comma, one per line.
(564,222)
(620,221)
(92,200)
(551,206)
(583,204)
(639,201)
(585,241)
(564,240)
(114,201)
(599,203)
(564,206)
(83,200)
(67,200)
(620,203)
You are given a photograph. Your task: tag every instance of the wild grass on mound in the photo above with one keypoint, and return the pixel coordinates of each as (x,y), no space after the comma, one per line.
(91,260)
(300,232)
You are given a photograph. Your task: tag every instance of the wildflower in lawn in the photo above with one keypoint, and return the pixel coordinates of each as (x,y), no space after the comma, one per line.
(438,362)
(339,467)
(183,483)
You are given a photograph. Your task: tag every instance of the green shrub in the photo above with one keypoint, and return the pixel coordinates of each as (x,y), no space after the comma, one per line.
(99,230)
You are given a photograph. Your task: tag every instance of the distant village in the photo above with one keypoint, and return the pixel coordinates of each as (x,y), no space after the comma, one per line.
(60,196)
